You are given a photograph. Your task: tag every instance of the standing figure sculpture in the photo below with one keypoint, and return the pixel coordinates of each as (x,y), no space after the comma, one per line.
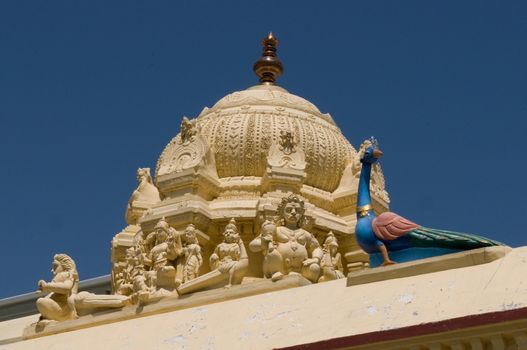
(331,263)
(192,259)
(59,305)
(294,250)
(229,263)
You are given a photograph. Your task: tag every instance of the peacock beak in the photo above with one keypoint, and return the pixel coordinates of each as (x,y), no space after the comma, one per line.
(377,153)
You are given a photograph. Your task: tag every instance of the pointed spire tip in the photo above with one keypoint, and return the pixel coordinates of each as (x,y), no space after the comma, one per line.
(268,67)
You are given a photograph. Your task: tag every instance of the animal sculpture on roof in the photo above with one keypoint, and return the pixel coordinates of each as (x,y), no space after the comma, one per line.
(390,234)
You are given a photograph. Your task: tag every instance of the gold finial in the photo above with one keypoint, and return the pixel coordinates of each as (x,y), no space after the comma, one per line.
(268,67)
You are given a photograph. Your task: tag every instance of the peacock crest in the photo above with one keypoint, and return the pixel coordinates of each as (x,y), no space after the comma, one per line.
(377,182)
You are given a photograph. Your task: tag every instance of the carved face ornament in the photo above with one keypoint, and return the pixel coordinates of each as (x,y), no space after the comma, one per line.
(230,235)
(161,235)
(293,213)
(190,236)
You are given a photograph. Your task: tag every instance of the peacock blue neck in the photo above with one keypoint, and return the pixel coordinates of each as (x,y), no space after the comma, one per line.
(363,197)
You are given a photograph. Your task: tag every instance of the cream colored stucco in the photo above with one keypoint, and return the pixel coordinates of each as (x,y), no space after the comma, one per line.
(311,313)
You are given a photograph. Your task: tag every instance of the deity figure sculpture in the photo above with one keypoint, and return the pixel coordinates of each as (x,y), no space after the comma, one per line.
(142,198)
(229,263)
(264,243)
(143,286)
(59,304)
(188,130)
(64,301)
(133,280)
(163,247)
(192,260)
(331,263)
(295,250)
(230,256)
(126,275)
(287,142)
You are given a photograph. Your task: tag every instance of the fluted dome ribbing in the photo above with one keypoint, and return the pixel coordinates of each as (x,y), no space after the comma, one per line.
(241,127)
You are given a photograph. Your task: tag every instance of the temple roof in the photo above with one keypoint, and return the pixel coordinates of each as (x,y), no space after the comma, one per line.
(242,126)
(484,299)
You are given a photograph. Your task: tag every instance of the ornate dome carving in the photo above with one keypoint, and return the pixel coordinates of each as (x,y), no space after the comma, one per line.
(242,126)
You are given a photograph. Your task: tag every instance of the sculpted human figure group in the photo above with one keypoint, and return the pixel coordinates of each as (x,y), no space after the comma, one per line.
(228,263)
(167,262)
(162,248)
(157,264)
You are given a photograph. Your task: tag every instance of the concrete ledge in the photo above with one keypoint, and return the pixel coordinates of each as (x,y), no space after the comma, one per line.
(167,304)
(422,266)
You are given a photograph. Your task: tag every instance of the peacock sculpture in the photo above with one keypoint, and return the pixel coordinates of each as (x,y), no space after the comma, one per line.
(390,236)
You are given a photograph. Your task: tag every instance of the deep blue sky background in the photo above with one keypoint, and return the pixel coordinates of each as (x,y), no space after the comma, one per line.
(92,90)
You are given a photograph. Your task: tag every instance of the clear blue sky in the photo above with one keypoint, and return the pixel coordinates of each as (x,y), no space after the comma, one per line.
(92,90)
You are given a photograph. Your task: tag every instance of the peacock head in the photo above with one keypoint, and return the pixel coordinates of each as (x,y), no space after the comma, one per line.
(370,151)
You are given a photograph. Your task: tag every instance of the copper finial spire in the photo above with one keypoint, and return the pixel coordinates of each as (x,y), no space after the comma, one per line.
(268,67)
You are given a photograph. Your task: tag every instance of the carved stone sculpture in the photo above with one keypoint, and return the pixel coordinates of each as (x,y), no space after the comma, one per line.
(59,304)
(187,150)
(86,302)
(192,259)
(294,250)
(125,276)
(63,302)
(331,263)
(162,247)
(286,153)
(188,131)
(287,142)
(142,198)
(264,243)
(228,263)
(230,256)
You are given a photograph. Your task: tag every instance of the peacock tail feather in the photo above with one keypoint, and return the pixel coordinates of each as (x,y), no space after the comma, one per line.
(429,237)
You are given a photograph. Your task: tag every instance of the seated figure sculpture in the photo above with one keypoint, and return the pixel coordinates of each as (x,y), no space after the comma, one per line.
(64,302)
(293,250)
(229,263)
(331,263)
(59,304)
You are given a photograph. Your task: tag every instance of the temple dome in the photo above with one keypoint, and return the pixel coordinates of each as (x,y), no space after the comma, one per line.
(241,127)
